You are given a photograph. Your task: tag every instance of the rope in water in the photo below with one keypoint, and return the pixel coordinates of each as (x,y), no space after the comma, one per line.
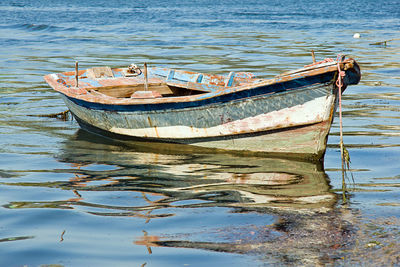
(61,115)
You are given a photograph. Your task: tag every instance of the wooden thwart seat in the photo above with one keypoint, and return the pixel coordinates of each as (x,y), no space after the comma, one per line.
(128,90)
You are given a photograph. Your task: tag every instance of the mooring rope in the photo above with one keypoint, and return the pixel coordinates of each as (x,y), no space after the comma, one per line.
(339,85)
(344,154)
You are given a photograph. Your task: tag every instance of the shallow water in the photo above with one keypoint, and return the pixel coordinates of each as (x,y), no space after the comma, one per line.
(75,199)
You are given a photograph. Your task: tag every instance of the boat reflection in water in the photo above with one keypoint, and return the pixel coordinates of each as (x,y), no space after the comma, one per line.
(170,180)
(180,172)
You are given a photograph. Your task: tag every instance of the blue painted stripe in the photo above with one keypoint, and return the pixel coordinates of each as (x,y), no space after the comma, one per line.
(230,79)
(234,96)
(199,78)
(171,74)
(118,74)
(158,72)
(92,82)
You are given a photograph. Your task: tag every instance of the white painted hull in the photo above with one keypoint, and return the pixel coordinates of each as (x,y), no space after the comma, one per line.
(294,131)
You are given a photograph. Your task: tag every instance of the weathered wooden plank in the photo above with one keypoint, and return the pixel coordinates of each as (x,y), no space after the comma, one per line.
(127,90)
(100,72)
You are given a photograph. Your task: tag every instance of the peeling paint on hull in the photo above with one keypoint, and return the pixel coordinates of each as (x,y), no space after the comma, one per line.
(290,114)
(297,130)
(306,142)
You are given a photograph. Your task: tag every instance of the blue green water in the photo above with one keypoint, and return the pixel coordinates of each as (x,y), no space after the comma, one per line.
(70,198)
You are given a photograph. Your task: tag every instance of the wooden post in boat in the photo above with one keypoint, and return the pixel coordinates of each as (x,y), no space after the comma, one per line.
(76,74)
(313,56)
(145,76)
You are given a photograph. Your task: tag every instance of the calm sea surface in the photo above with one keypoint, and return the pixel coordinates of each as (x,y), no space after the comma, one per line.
(70,198)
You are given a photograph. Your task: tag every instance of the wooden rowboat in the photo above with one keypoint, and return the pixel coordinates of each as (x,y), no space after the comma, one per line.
(290,114)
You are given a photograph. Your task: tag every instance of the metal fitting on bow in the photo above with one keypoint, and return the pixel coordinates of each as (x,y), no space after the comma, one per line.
(134,69)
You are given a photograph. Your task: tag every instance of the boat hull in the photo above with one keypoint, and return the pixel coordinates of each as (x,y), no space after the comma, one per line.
(305,142)
(294,123)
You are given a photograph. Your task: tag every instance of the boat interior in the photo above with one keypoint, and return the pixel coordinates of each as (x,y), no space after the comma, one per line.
(154,82)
